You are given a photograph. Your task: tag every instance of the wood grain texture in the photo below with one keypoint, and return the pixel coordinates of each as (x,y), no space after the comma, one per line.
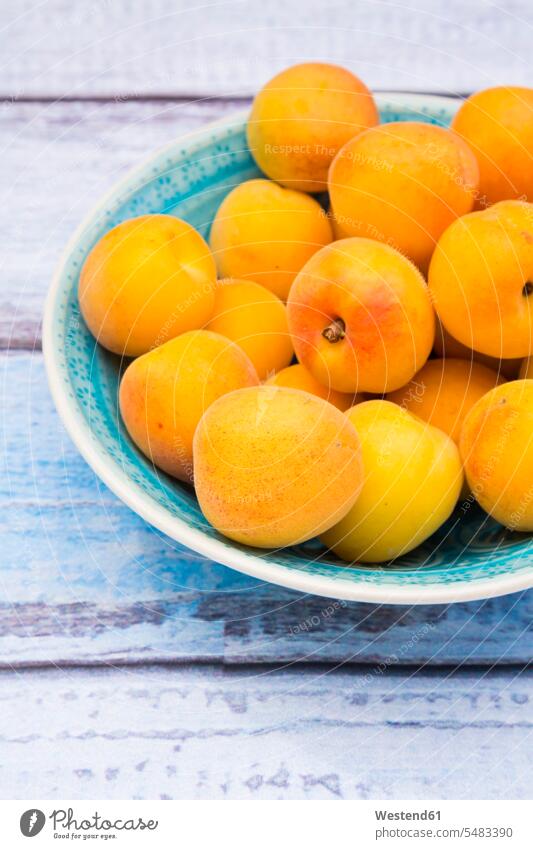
(205,734)
(85,580)
(56,161)
(99,47)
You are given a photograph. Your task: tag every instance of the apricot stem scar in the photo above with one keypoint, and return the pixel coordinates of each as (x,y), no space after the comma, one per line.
(528,288)
(335,331)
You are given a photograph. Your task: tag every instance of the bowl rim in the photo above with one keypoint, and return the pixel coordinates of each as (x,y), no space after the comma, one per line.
(254,565)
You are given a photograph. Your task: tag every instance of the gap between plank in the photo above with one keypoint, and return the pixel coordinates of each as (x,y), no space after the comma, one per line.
(187,98)
(162,662)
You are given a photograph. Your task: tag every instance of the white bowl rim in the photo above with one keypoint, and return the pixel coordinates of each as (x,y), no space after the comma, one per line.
(177,529)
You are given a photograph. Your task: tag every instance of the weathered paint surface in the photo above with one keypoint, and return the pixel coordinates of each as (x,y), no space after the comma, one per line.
(207,733)
(252,696)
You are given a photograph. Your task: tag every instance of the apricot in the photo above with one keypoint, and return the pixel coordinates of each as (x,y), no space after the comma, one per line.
(147,280)
(446,347)
(360,317)
(298,377)
(497,123)
(402,184)
(275,466)
(444,391)
(266,233)
(526,369)
(497,449)
(302,117)
(164,393)
(413,478)
(481,279)
(255,319)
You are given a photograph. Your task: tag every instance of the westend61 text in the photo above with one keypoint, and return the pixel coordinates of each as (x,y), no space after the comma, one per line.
(407,815)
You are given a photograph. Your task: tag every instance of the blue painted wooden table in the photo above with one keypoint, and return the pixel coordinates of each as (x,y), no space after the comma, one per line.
(129,666)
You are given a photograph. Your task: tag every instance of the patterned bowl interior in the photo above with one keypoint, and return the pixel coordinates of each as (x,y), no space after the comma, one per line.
(190,179)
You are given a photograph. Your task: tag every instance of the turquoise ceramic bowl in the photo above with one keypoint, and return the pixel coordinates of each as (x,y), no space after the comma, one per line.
(471,557)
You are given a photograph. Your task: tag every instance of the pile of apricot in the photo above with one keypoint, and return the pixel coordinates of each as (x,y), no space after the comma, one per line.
(349,356)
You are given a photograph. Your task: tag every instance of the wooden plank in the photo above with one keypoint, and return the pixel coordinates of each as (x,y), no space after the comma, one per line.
(206,734)
(57,160)
(58,48)
(84,580)
(264,626)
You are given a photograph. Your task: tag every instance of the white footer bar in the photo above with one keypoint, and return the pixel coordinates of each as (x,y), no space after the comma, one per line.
(267,825)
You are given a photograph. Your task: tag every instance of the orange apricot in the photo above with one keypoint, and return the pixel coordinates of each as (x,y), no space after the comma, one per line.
(443,392)
(275,466)
(481,279)
(298,377)
(302,117)
(164,393)
(497,123)
(402,184)
(266,233)
(496,447)
(361,317)
(256,320)
(147,280)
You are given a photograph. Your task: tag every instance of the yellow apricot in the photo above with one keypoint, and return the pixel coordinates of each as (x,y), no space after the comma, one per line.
(298,377)
(255,319)
(302,117)
(497,449)
(164,393)
(266,233)
(443,392)
(413,478)
(275,466)
(147,280)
